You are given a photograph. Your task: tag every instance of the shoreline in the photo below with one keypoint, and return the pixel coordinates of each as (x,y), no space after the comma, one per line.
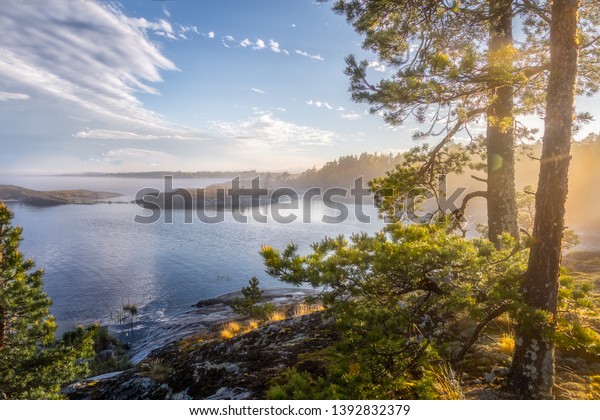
(204,316)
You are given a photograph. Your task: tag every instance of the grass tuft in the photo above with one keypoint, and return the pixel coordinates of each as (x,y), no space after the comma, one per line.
(276,316)
(507,343)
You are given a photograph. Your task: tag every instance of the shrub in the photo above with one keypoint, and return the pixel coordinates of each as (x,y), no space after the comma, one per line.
(396,297)
(250,305)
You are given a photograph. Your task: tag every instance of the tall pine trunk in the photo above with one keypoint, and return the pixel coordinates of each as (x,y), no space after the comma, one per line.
(2,283)
(501,197)
(532,373)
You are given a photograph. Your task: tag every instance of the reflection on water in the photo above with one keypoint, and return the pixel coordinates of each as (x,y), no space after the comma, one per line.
(96,258)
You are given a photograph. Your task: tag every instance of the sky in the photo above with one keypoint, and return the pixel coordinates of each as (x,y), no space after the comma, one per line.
(187,85)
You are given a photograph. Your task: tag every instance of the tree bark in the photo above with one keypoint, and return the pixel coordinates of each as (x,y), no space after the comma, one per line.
(532,373)
(2,311)
(501,197)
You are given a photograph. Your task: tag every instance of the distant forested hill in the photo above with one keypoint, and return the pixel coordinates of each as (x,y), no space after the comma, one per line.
(583,205)
(343,171)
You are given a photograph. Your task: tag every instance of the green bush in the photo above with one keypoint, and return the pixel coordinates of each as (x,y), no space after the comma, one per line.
(396,297)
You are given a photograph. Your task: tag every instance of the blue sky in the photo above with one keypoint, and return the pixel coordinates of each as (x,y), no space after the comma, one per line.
(180,85)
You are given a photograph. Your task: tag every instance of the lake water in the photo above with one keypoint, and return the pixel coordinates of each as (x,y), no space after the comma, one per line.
(96,258)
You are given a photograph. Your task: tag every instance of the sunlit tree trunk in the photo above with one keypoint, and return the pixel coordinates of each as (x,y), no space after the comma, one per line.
(501,197)
(532,373)
(2,312)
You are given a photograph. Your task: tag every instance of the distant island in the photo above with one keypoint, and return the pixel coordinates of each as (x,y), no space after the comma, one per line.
(52,198)
(182,174)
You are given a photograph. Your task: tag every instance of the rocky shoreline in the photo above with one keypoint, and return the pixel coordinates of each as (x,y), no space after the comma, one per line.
(205,317)
(188,360)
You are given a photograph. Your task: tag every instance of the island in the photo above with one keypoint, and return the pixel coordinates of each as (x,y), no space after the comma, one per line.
(13,193)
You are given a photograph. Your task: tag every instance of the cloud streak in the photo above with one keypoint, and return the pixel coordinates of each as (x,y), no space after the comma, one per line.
(257,45)
(149,157)
(351,116)
(319,104)
(7,96)
(311,56)
(348,116)
(265,130)
(89,55)
(129,135)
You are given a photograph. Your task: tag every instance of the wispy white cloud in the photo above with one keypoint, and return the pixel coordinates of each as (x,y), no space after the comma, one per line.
(227,40)
(377,66)
(259,44)
(282,109)
(130,135)
(274,46)
(150,157)
(91,57)
(319,104)
(185,29)
(211,35)
(160,27)
(265,130)
(262,92)
(312,56)
(351,116)
(7,96)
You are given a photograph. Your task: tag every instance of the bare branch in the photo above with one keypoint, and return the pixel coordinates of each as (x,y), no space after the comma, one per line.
(476,178)
(538,11)
(489,318)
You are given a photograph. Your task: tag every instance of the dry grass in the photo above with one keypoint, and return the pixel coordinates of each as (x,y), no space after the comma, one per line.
(447,384)
(251,325)
(156,369)
(305,309)
(595,387)
(507,343)
(278,315)
(230,330)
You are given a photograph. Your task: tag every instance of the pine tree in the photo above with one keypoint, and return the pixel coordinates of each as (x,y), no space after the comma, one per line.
(251,303)
(33,365)
(454,63)
(532,372)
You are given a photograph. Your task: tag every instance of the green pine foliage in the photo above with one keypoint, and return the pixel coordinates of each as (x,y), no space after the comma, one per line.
(397,298)
(33,365)
(250,305)
(402,300)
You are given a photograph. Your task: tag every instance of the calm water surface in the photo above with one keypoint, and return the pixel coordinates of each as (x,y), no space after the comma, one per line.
(96,258)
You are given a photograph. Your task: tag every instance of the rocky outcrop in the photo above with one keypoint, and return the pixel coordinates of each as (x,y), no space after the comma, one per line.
(200,367)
